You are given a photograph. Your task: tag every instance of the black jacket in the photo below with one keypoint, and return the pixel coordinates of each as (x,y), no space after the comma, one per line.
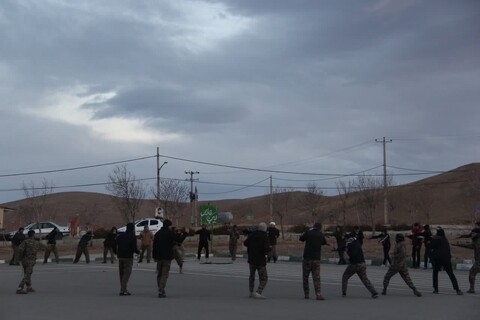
(53,236)
(355,252)
(273,234)
(257,247)
(126,245)
(110,240)
(440,249)
(359,236)
(204,235)
(384,239)
(163,243)
(85,239)
(18,238)
(314,240)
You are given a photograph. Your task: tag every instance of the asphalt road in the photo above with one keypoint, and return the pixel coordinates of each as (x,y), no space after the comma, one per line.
(220,291)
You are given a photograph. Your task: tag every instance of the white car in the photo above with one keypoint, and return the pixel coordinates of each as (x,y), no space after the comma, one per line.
(45,228)
(153,225)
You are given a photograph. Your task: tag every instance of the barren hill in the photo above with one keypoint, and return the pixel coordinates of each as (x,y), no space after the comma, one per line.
(447,198)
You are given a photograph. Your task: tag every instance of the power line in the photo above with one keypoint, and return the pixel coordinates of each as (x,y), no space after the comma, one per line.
(418,170)
(74,168)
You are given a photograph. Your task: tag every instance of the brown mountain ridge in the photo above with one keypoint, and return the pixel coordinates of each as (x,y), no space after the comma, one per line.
(452,197)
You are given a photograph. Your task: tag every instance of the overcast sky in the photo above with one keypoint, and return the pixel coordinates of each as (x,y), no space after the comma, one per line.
(288,86)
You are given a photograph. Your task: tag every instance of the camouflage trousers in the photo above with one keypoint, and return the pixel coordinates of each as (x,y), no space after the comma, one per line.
(313,267)
(262,278)
(473,273)
(403,271)
(179,254)
(27,273)
(163,268)
(361,270)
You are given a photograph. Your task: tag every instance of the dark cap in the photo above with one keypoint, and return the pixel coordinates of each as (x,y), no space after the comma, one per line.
(130,227)
(167,223)
(317,225)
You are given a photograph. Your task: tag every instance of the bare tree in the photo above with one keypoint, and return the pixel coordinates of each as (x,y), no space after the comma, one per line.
(281,203)
(412,203)
(127,192)
(37,200)
(425,202)
(173,197)
(392,204)
(369,192)
(313,199)
(345,190)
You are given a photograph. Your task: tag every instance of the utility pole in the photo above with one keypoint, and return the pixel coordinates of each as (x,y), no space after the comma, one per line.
(271,200)
(159,167)
(385,186)
(193,196)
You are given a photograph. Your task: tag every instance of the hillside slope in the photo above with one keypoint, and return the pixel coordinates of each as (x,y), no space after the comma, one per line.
(447,198)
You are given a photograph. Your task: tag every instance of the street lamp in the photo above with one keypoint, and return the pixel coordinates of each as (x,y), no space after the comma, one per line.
(158,180)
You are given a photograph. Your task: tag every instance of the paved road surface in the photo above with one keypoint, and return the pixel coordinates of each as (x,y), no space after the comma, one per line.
(220,291)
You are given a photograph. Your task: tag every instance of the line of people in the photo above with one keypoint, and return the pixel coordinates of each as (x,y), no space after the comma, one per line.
(167,245)
(258,248)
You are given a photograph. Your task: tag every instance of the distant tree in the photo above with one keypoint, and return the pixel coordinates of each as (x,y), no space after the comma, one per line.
(36,203)
(312,200)
(393,200)
(345,190)
(411,201)
(173,197)
(127,192)
(425,202)
(369,193)
(281,205)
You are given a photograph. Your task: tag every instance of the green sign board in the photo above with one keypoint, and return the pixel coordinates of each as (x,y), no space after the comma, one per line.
(208,214)
(249,217)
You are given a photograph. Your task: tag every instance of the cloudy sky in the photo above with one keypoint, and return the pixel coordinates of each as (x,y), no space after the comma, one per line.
(296,90)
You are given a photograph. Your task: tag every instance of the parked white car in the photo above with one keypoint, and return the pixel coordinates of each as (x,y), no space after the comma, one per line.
(45,228)
(153,225)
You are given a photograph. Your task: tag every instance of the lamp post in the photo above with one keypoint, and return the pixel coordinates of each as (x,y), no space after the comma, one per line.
(158,179)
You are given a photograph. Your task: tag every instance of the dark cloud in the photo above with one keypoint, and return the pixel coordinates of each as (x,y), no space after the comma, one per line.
(301,79)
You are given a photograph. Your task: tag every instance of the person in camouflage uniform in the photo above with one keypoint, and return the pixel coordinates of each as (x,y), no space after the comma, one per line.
(356,266)
(399,266)
(27,254)
(314,240)
(475,245)
(476,266)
